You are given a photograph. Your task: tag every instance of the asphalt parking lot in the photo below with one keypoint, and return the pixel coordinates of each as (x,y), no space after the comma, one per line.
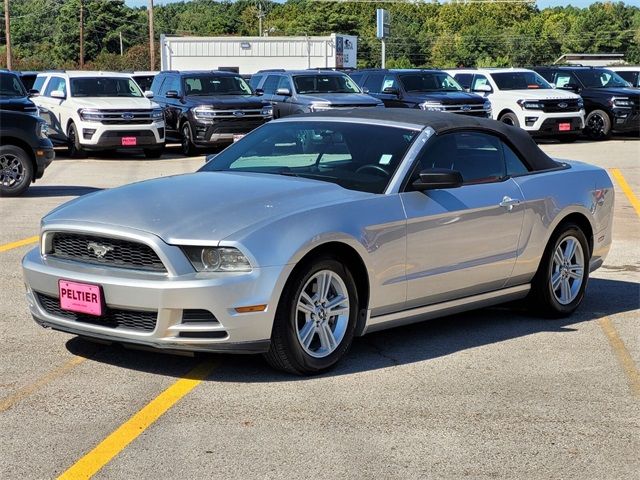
(495,393)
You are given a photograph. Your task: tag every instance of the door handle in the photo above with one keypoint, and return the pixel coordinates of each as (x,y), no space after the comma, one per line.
(509,202)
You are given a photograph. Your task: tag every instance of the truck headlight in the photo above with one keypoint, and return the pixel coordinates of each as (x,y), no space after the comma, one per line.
(217,259)
(42,130)
(267,111)
(580,104)
(203,112)
(486,105)
(320,107)
(530,105)
(624,102)
(157,114)
(90,115)
(432,107)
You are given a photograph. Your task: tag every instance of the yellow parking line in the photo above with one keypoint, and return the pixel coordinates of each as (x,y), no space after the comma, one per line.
(617,174)
(19,243)
(622,354)
(97,458)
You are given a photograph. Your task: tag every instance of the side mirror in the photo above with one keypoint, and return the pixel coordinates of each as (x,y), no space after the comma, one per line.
(259,92)
(148,93)
(33,93)
(483,88)
(210,157)
(365,90)
(58,94)
(284,92)
(172,94)
(433,178)
(574,87)
(391,91)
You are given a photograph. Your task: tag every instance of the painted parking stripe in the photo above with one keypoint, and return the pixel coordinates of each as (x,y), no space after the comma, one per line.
(622,355)
(622,182)
(106,450)
(19,243)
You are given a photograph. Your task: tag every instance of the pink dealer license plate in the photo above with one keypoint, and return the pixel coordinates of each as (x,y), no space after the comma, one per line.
(80,297)
(129,141)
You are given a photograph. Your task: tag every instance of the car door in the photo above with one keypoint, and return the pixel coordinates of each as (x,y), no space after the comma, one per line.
(269,87)
(376,83)
(53,109)
(172,106)
(284,104)
(462,241)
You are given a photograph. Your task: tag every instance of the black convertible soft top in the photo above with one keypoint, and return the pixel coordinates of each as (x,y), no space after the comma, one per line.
(442,122)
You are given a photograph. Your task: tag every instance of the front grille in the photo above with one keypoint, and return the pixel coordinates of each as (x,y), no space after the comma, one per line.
(238,113)
(125,117)
(127,133)
(112,318)
(116,252)
(556,106)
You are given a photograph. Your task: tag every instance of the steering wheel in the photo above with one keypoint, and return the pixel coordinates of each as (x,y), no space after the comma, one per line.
(374,168)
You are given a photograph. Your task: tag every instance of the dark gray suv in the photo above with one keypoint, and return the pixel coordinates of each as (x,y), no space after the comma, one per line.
(302,91)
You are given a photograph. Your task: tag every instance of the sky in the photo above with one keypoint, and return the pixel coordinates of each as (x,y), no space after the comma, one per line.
(541,3)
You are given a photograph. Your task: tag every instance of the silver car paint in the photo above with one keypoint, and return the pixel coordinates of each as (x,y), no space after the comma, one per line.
(277,220)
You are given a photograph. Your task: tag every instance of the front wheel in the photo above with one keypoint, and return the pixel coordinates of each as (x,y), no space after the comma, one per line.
(558,286)
(315,320)
(598,125)
(16,171)
(188,147)
(75,149)
(510,119)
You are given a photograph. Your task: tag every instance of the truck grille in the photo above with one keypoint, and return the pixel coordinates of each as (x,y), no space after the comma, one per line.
(112,318)
(105,251)
(237,113)
(466,109)
(125,117)
(560,106)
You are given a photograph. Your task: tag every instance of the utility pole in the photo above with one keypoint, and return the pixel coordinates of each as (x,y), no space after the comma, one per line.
(260,17)
(120,43)
(81,35)
(152,50)
(7,24)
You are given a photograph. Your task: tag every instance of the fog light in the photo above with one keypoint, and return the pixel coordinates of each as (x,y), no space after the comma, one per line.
(87,133)
(529,121)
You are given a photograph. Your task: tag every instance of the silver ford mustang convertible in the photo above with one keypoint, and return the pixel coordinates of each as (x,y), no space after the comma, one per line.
(315,229)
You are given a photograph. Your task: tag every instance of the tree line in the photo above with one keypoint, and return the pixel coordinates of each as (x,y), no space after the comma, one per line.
(45,33)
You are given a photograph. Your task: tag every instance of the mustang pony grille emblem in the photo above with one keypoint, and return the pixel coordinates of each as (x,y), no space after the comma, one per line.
(238,113)
(563,105)
(128,116)
(99,250)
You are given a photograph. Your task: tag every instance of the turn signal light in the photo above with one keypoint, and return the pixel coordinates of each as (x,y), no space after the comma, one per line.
(251,308)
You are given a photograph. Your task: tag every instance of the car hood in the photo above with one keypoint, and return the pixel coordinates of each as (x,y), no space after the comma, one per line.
(228,101)
(203,207)
(538,94)
(446,98)
(614,92)
(18,104)
(115,102)
(343,99)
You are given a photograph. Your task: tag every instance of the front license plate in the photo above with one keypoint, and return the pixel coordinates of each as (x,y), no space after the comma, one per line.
(80,297)
(564,127)
(237,137)
(129,141)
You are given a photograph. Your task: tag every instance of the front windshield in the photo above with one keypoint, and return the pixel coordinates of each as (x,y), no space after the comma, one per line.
(11,86)
(208,85)
(429,82)
(104,87)
(520,81)
(352,155)
(601,78)
(324,84)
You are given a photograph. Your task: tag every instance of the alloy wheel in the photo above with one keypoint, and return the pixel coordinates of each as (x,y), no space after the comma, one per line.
(12,171)
(567,270)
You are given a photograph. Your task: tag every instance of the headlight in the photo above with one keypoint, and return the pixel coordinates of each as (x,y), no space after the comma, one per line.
(580,104)
(267,111)
(157,114)
(203,112)
(42,130)
(486,105)
(217,259)
(530,105)
(320,107)
(432,107)
(624,102)
(90,114)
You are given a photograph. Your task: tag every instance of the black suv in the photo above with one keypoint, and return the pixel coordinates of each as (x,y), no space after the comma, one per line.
(206,108)
(610,104)
(303,91)
(25,149)
(432,90)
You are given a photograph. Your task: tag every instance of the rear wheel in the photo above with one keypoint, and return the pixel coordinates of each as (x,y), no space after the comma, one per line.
(188,147)
(510,119)
(75,149)
(16,171)
(559,285)
(316,318)
(598,125)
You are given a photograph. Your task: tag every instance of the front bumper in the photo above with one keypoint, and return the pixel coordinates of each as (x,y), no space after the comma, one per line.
(97,136)
(539,123)
(168,300)
(223,130)
(625,120)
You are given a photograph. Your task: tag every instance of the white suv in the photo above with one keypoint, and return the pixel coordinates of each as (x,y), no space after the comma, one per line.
(100,111)
(523,98)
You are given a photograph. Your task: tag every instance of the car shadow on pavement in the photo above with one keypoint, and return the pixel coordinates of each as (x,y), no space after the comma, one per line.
(399,346)
(59,191)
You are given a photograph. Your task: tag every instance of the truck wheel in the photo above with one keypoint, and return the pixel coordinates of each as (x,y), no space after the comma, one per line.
(75,149)
(188,148)
(153,152)
(16,171)
(597,125)
(510,119)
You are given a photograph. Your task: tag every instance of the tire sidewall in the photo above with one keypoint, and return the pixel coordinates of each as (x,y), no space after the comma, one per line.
(75,149)
(606,128)
(513,117)
(287,315)
(26,165)
(187,144)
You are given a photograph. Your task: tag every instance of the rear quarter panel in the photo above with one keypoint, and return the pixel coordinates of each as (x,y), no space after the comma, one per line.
(549,198)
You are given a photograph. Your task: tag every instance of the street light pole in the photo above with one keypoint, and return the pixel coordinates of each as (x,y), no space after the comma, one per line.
(152,50)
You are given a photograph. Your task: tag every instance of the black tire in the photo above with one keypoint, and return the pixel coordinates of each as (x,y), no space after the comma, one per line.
(597,125)
(510,119)
(75,149)
(542,297)
(285,352)
(16,171)
(188,147)
(152,153)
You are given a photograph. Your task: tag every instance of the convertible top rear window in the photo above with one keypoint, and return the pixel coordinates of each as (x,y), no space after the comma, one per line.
(356,156)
